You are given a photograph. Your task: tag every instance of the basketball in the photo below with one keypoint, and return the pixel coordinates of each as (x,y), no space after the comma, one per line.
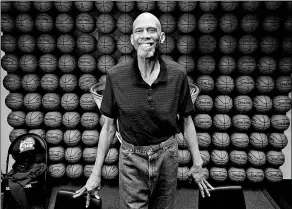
(89,120)
(205,83)
(21,6)
(109,172)
(226,65)
(238,158)
(219,157)
(72,137)
(206,64)
(223,103)
(7,23)
(86,81)
(260,122)
(26,43)
(112,156)
(218,174)
(42,6)
(221,140)
(274,174)
(246,65)
(229,5)
(208,6)
(124,44)
(255,175)
(87,102)
(30,82)
(84,6)
(68,82)
(125,6)
(67,63)
(275,158)
(224,84)
(56,154)
(185,44)
(204,139)
(168,23)
(53,119)
(12,82)
(166,6)
(283,84)
(181,141)
(269,44)
(239,140)
(186,61)
(49,82)
(236,174)
(73,154)
(105,23)
(32,101)
(51,101)
(63,6)
(105,44)
(39,132)
(124,23)
(89,154)
(64,23)
(182,173)
(28,63)
(66,43)
(277,140)
(90,137)
(44,22)
(46,43)
(228,23)
(87,170)
(250,6)
(86,43)
(74,171)
(125,58)
(204,103)
(280,122)
(16,132)
(247,44)
(8,43)
(85,22)
(186,23)
(14,101)
(272,5)
(227,44)
(86,63)
(203,121)
(258,140)
(168,45)
(244,84)
(222,121)
(265,84)
(207,44)
(16,118)
(205,173)
(282,103)
(71,119)
(256,158)
(34,119)
(271,23)
(24,23)
(54,136)
(243,103)
(104,6)
(48,63)
(205,156)
(241,122)
(57,170)
(10,63)
(70,101)
(104,63)
(287,45)
(267,65)
(145,6)
(285,65)
(262,103)
(184,156)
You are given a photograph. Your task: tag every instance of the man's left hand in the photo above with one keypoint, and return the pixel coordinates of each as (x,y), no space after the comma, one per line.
(196,172)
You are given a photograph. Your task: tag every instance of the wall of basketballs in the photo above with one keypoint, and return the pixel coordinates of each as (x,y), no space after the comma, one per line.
(238,53)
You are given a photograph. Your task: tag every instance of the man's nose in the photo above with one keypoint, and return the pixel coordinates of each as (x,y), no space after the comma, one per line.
(146,34)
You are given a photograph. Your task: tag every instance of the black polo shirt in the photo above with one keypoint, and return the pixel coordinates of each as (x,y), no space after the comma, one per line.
(147,115)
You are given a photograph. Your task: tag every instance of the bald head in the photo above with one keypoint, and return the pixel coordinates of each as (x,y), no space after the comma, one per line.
(146,17)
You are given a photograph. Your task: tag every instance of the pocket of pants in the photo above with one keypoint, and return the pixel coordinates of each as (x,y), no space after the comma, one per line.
(172,150)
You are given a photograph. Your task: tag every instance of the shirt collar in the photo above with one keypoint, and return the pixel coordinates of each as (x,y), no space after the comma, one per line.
(136,75)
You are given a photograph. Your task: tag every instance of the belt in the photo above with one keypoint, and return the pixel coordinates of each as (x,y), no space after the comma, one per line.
(150,148)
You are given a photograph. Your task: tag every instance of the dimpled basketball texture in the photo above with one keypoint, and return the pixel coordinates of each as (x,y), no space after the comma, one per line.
(168,23)
(124,23)
(239,140)
(51,101)
(28,63)
(32,101)
(16,118)
(44,22)
(185,60)
(73,154)
(207,23)
(105,62)
(105,23)
(71,119)
(70,101)
(238,157)
(39,132)
(218,174)
(104,6)
(203,121)
(105,44)
(49,82)
(255,175)
(219,157)
(244,84)
(89,154)
(224,84)
(182,143)
(207,44)
(90,137)
(48,63)
(287,45)
(54,136)
(87,102)
(14,101)
(205,156)
(8,43)
(280,122)
(124,44)
(34,119)
(30,82)
(227,44)
(16,132)
(269,44)
(166,6)
(66,43)
(273,174)
(241,122)
(228,23)
(283,84)
(205,83)
(68,82)
(87,170)
(21,6)
(24,23)
(46,43)
(7,23)
(112,156)
(206,64)
(109,172)
(67,63)
(53,119)
(168,45)
(247,44)
(271,23)
(277,140)
(10,63)
(26,43)
(226,65)
(272,5)
(57,170)
(145,6)
(204,139)
(186,23)
(204,103)
(127,58)
(56,154)
(182,173)
(222,121)
(72,137)
(86,63)
(223,103)
(288,24)
(185,44)
(86,81)
(243,103)
(74,171)
(260,122)
(249,23)
(12,82)
(205,172)
(262,103)
(63,6)
(267,65)
(265,84)
(258,140)
(89,120)
(43,6)
(246,65)
(86,43)
(184,156)
(85,22)
(220,140)
(285,65)
(275,158)
(236,174)
(256,158)
(250,5)
(84,6)
(282,103)
(64,23)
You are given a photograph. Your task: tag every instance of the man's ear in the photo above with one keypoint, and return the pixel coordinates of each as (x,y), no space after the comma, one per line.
(162,37)
(132,39)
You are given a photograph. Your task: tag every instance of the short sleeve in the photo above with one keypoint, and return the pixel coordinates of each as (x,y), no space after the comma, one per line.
(185,105)
(108,104)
